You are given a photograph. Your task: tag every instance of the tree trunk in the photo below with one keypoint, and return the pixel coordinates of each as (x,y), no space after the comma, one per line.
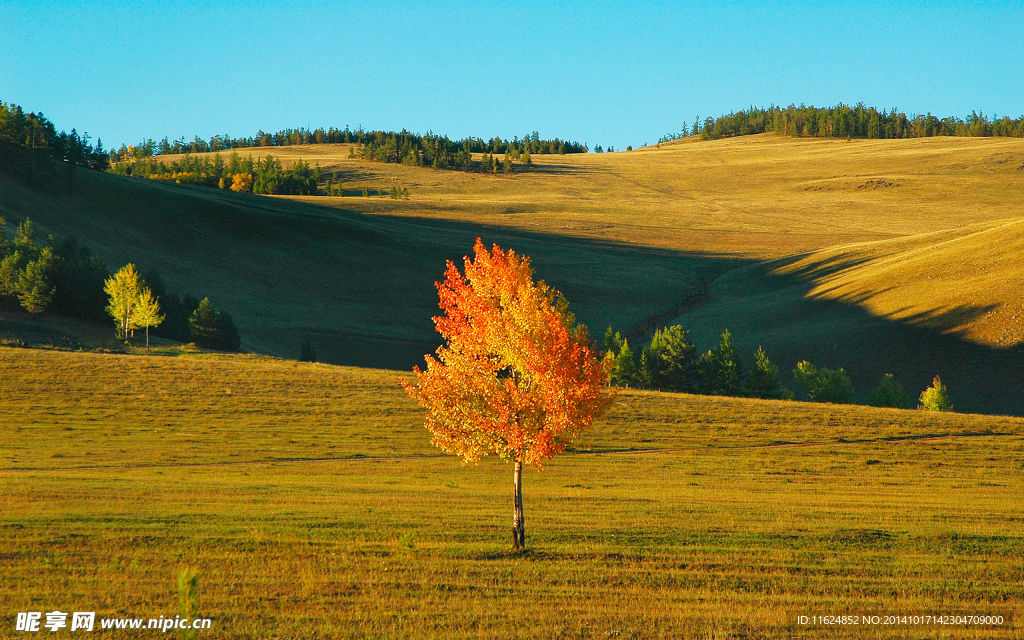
(518,523)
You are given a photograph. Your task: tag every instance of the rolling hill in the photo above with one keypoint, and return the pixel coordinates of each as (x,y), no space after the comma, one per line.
(875,255)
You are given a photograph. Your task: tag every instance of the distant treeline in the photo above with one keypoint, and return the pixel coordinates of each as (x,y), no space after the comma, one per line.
(34,131)
(385,146)
(843,121)
(263,175)
(441,153)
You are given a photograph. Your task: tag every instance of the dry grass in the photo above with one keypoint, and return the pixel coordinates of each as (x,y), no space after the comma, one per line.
(312,505)
(878,256)
(754,196)
(963,281)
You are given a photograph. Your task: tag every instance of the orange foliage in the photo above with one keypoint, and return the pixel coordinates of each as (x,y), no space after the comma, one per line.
(517,376)
(241,182)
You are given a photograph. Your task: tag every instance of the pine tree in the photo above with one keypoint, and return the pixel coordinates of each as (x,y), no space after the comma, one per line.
(889,393)
(644,378)
(34,289)
(721,369)
(672,360)
(624,369)
(25,238)
(763,381)
(612,342)
(204,323)
(10,270)
(213,329)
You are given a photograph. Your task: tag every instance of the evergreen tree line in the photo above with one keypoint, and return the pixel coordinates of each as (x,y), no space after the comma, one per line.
(843,121)
(35,131)
(187,319)
(427,144)
(671,362)
(58,276)
(64,278)
(440,152)
(262,175)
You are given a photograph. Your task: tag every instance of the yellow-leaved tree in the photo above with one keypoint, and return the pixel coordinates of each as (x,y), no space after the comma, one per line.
(132,305)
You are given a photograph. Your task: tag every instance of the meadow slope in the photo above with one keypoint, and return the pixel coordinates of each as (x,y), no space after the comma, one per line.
(817,249)
(311,503)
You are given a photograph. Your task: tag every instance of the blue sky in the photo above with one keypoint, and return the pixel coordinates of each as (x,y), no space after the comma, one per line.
(603,73)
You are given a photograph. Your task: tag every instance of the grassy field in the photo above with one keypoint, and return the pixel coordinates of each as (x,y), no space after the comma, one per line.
(312,504)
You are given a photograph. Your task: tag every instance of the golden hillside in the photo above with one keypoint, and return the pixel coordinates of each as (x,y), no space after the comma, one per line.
(876,255)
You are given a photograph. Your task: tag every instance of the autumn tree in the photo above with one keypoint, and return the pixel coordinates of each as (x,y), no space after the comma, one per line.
(516,376)
(123,288)
(241,182)
(935,397)
(147,312)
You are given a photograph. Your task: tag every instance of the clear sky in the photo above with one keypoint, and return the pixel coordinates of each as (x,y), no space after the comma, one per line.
(609,73)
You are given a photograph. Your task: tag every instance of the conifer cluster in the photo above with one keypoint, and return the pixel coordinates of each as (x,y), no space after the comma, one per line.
(35,131)
(671,362)
(843,121)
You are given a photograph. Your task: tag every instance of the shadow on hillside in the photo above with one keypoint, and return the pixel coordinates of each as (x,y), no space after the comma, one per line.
(779,313)
(945,320)
(824,267)
(560,169)
(362,287)
(353,175)
(607,283)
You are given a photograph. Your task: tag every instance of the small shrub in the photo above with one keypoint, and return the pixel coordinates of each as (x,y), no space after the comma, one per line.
(407,544)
